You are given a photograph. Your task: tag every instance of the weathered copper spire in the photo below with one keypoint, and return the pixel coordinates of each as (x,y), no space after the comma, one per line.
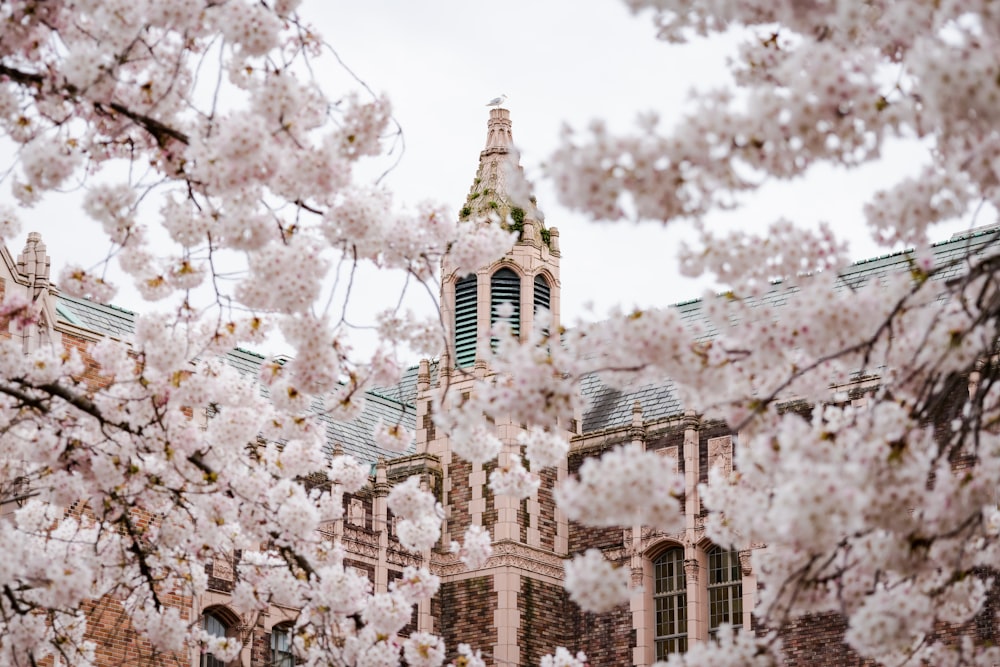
(500,188)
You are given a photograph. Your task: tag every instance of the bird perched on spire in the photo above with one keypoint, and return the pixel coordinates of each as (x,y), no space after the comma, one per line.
(497,101)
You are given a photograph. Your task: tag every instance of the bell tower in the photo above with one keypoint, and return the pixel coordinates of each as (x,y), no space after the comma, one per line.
(526,277)
(511,607)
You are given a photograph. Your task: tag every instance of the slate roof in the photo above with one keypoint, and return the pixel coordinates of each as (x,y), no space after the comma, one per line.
(608,407)
(108,320)
(391,405)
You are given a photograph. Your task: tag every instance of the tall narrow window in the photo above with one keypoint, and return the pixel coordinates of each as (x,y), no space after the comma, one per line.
(505,287)
(465,321)
(214,626)
(281,647)
(542,297)
(670,603)
(725,589)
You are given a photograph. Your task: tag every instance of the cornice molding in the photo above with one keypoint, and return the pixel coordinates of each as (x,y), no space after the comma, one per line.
(505,554)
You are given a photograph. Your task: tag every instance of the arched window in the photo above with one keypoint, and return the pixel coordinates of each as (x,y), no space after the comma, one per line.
(505,287)
(215,626)
(542,296)
(670,603)
(465,321)
(725,589)
(281,646)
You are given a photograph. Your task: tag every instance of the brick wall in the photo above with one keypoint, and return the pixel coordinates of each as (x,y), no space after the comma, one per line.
(544,608)
(818,640)
(606,638)
(547,509)
(583,537)
(523,519)
(490,513)
(459,497)
(118,644)
(671,437)
(464,613)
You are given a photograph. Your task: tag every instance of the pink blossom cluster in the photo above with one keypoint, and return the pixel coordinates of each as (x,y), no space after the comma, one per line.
(596,584)
(419,527)
(650,498)
(513,479)
(865,409)
(476,548)
(563,658)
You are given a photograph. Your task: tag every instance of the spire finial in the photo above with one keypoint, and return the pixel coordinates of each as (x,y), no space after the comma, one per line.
(499,138)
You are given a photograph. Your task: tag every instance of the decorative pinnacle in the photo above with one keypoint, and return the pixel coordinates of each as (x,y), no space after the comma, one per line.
(499,138)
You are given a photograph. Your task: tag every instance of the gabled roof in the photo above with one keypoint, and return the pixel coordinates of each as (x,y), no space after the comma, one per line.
(609,407)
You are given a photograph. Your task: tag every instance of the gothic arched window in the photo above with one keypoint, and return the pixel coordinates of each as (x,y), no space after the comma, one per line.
(281,646)
(215,626)
(670,603)
(725,589)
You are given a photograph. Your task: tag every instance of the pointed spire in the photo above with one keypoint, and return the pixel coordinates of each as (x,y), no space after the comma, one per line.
(500,188)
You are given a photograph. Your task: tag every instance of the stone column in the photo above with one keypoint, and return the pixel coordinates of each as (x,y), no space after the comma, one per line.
(692,473)
(507,617)
(380,522)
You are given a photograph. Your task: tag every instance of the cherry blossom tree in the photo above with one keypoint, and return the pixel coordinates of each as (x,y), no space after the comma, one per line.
(199,119)
(882,509)
(223,179)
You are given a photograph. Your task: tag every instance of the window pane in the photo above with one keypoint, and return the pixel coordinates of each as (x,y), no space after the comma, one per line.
(214,626)
(725,589)
(670,603)
(281,647)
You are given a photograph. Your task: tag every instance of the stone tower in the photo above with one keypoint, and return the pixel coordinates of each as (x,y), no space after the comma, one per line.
(513,607)
(527,276)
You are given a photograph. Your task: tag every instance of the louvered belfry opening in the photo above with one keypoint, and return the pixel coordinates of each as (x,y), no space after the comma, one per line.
(465,321)
(542,297)
(505,287)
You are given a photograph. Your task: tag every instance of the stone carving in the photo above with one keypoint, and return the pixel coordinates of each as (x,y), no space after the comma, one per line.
(361,542)
(246,626)
(222,566)
(617,555)
(745,566)
(505,553)
(402,558)
(691,569)
(651,536)
(671,454)
(720,454)
(356,512)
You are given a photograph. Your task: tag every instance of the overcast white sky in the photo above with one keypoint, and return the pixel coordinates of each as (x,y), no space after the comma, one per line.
(562,61)
(559,61)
